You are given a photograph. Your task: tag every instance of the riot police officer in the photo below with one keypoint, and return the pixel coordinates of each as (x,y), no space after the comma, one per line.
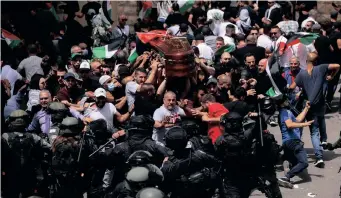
(70,162)
(23,154)
(196,139)
(187,173)
(139,138)
(58,112)
(244,167)
(137,178)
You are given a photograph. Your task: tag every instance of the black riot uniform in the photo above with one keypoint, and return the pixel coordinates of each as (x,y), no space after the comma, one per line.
(58,112)
(245,166)
(187,173)
(22,156)
(70,162)
(195,137)
(139,138)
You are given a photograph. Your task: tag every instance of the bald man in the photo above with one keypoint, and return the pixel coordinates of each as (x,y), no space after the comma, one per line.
(263,80)
(166,116)
(311,81)
(122,29)
(250,47)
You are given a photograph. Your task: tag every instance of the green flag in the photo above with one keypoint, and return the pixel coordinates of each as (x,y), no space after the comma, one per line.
(225,48)
(133,56)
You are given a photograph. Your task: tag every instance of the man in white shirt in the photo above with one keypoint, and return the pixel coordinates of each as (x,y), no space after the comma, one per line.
(222,26)
(264,40)
(121,29)
(32,64)
(7,72)
(104,110)
(204,50)
(166,116)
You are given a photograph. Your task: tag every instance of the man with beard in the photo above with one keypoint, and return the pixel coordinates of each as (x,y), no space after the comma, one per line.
(290,76)
(145,101)
(140,77)
(166,116)
(219,92)
(70,94)
(101,109)
(225,64)
(263,80)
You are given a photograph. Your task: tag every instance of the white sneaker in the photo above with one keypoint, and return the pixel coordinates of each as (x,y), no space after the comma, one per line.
(319,163)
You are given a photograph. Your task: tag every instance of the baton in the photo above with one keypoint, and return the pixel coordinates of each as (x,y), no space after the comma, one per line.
(101,147)
(82,142)
(260,125)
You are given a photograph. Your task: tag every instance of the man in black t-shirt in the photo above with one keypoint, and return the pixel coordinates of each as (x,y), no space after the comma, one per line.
(90,9)
(237,104)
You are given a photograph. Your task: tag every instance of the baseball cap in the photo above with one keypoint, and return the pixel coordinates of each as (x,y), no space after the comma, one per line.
(100,92)
(84,65)
(212,80)
(69,75)
(103,79)
(334,14)
(74,55)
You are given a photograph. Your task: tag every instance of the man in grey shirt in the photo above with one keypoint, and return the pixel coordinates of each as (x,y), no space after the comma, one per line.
(166,116)
(32,64)
(140,77)
(311,81)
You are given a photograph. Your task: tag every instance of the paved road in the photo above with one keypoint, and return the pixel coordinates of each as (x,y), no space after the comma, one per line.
(325,183)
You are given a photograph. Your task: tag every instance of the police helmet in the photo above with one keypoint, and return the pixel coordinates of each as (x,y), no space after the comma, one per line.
(141,123)
(232,122)
(191,127)
(139,158)
(138,178)
(99,129)
(150,193)
(57,110)
(18,120)
(70,126)
(176,138)
(268,106)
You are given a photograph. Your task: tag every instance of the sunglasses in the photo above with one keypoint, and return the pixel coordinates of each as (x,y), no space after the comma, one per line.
(254,33)
(273,33)
(106,72)
(60,77)
(227,59)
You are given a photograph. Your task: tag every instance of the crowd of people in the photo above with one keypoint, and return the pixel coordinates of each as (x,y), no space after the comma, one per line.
(74,122)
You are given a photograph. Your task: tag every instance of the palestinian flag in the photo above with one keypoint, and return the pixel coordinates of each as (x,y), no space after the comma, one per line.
(274,92)
(147,37)
(225,48)
(146,10)
(11,39)
(185,5)
(133,56)
(298,45)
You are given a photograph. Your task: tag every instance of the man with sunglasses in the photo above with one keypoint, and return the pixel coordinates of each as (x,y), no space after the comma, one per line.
(278,40)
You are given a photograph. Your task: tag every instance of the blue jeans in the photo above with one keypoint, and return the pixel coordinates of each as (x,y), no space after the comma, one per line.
(295,153)
(317,132)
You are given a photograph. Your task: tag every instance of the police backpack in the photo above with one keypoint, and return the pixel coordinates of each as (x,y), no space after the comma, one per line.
(21,147)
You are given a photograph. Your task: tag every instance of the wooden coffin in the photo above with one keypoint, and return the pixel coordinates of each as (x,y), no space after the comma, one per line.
(178,54)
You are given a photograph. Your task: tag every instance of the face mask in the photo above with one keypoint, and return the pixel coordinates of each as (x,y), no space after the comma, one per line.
(111,86)
(85,52)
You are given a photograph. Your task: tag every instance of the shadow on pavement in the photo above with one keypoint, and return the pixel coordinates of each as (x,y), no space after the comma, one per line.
(327,155)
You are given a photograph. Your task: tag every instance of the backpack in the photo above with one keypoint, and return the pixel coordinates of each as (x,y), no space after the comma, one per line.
(65,154)
(21,147)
